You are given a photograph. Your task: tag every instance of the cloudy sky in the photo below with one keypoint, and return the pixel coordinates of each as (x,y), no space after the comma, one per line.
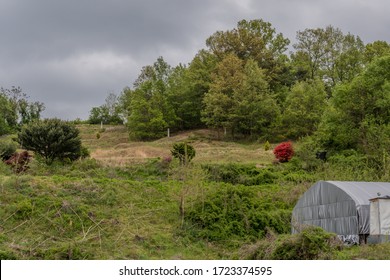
(70,54)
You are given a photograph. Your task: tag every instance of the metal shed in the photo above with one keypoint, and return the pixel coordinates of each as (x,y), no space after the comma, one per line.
(340,207)
(379,219)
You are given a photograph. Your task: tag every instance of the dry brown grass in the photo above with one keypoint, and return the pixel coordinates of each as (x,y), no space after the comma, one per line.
(124,154)
(114,148)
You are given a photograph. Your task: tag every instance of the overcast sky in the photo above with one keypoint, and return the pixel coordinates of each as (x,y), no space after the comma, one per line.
(70,54)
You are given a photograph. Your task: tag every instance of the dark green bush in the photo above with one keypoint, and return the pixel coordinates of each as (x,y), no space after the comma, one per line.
(306,155)
(183,151)
(237,212)
(247,175)
(52,139)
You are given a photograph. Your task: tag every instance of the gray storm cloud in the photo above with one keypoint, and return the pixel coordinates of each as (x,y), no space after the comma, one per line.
(71,54)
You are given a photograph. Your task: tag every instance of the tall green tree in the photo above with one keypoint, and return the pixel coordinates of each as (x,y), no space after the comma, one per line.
(149,112)
(255,111)
(375,50)
(219,104)
(7,115)
(108,113)
(304,108)
(18,109)
(178,96)
(124,101)
(30,111)
(328,54)
(187,87)
(239,99)
(254,39)
(146,120)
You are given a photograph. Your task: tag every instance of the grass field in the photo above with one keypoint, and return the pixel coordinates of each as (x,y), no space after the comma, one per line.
(127,203)
(113,147)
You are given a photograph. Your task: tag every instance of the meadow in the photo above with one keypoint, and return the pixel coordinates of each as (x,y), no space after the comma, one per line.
(131,200)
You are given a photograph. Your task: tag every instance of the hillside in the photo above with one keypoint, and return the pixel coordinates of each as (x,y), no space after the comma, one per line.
(113,147)
(128,203)
(95,210)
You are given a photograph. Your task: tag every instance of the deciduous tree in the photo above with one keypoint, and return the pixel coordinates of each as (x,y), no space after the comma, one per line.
(304,108)
(328,54)
(239,98)
(149,112)
(359,108)
(254,39)
(219,104)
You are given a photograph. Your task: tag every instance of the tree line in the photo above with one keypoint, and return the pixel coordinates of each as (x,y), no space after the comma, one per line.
(16,109)
(330,87)
(244,84)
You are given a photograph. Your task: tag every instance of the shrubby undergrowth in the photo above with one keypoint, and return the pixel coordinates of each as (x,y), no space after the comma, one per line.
(7,149)
(313,243)
(238,212)
(89,206)
(158,208)
(243,174)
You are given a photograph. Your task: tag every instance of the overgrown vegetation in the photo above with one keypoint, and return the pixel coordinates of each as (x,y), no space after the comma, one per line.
(160,209)
(312,243)
(7,148)
(132,200)
(239,213)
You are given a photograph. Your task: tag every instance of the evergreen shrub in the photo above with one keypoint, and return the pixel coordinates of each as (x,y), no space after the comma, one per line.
(183,151)
(52,139)
(267,146)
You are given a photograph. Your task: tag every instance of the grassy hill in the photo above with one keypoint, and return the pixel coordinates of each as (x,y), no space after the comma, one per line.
(112,147)
(127,202)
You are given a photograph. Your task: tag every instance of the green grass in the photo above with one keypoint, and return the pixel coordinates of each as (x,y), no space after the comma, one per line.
(365,252)
(127,203)
(67,217)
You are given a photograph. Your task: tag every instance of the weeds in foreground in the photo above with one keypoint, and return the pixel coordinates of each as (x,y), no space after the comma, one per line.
(157,209)
(312,243)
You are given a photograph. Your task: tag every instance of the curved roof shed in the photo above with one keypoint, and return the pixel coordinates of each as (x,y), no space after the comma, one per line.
(338,206)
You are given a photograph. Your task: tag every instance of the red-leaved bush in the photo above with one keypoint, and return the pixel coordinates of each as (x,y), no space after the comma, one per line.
(284,151)
(19,161)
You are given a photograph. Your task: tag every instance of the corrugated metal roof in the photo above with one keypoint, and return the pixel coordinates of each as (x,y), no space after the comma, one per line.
(342,207)
(362,192)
